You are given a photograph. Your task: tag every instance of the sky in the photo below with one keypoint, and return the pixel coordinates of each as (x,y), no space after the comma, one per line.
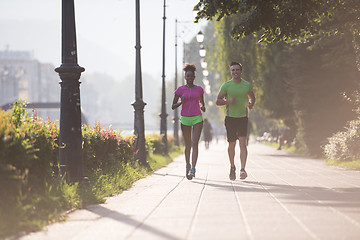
(105,33)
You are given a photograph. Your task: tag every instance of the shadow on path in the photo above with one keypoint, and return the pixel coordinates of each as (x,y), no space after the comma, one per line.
(331,197)
(105,212)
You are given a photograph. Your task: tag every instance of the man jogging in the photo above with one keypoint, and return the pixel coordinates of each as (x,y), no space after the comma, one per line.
(237,94)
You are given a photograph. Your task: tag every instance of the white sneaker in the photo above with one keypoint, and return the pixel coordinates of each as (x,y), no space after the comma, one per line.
(243,174)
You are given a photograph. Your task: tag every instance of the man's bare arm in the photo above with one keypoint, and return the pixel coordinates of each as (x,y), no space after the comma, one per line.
(222,99)
(252,98)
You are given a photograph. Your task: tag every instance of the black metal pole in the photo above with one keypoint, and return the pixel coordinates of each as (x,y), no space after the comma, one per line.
(139,104)
(70,141)
(163,115)
(176,111)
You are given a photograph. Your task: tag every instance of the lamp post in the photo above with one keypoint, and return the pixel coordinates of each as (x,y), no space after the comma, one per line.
(176,111)
(203,63)
(202,51)
(200,37)
(70,141)
(139,104)
(163,115)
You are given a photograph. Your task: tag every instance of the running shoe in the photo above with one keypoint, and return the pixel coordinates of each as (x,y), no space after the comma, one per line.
(188,174)
(243,174)
(232,174)
(193,170)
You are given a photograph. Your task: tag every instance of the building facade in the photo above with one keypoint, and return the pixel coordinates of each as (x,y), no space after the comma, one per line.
(23,77)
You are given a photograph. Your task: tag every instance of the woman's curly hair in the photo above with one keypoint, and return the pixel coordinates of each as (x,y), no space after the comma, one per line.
(189,67)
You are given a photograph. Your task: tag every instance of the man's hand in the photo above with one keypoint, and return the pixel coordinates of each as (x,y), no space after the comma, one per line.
(251,97)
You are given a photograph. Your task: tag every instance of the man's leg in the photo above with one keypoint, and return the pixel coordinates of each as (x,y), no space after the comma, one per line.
(231,133)
(231,153)
(243,157)
(243,151)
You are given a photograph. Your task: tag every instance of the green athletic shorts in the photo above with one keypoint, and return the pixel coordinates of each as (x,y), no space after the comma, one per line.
(191,121)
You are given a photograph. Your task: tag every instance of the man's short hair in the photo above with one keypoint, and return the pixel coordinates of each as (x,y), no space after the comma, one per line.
(236,63)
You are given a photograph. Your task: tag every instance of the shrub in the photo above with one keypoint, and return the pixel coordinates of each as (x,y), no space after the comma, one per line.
(155,145)
(28,148)
(28,160)
(345,146)
(102,148)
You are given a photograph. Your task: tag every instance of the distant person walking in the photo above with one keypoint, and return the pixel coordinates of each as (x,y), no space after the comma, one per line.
(237,95)
(207,133)
(281,133)
(192,100)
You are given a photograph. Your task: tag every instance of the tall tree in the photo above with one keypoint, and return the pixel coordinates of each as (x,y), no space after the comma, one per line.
(297,81)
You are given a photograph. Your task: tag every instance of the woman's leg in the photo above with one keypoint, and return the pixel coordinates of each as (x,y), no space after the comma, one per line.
(186,131)
(195,142)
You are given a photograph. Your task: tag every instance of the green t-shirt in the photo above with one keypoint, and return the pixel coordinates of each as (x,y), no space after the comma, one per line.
(240,90)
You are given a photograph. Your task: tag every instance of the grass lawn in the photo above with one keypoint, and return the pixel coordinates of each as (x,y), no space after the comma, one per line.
(33,212)
(345,164)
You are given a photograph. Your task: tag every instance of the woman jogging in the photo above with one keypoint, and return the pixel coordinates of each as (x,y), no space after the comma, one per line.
(191,97)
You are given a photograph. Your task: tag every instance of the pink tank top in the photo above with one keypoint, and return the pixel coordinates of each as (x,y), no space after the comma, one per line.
(191,102)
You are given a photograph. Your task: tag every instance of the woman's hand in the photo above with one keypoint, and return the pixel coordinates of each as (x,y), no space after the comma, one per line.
(177,104)
(203,108)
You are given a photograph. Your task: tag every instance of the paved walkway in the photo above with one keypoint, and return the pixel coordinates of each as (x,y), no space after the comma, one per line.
(284,197)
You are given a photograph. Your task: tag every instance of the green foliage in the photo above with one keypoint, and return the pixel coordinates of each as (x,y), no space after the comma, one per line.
(344,164)
(28,161)
(288,147)
(280,20)
(18,113)
(154,144)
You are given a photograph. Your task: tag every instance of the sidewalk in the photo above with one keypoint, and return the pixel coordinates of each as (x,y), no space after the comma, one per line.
(284,197)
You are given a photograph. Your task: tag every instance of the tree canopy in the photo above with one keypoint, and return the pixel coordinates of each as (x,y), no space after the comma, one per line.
(300,85)
(283,20)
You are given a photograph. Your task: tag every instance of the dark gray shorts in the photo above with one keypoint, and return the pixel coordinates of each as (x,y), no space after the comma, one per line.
(235,128)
